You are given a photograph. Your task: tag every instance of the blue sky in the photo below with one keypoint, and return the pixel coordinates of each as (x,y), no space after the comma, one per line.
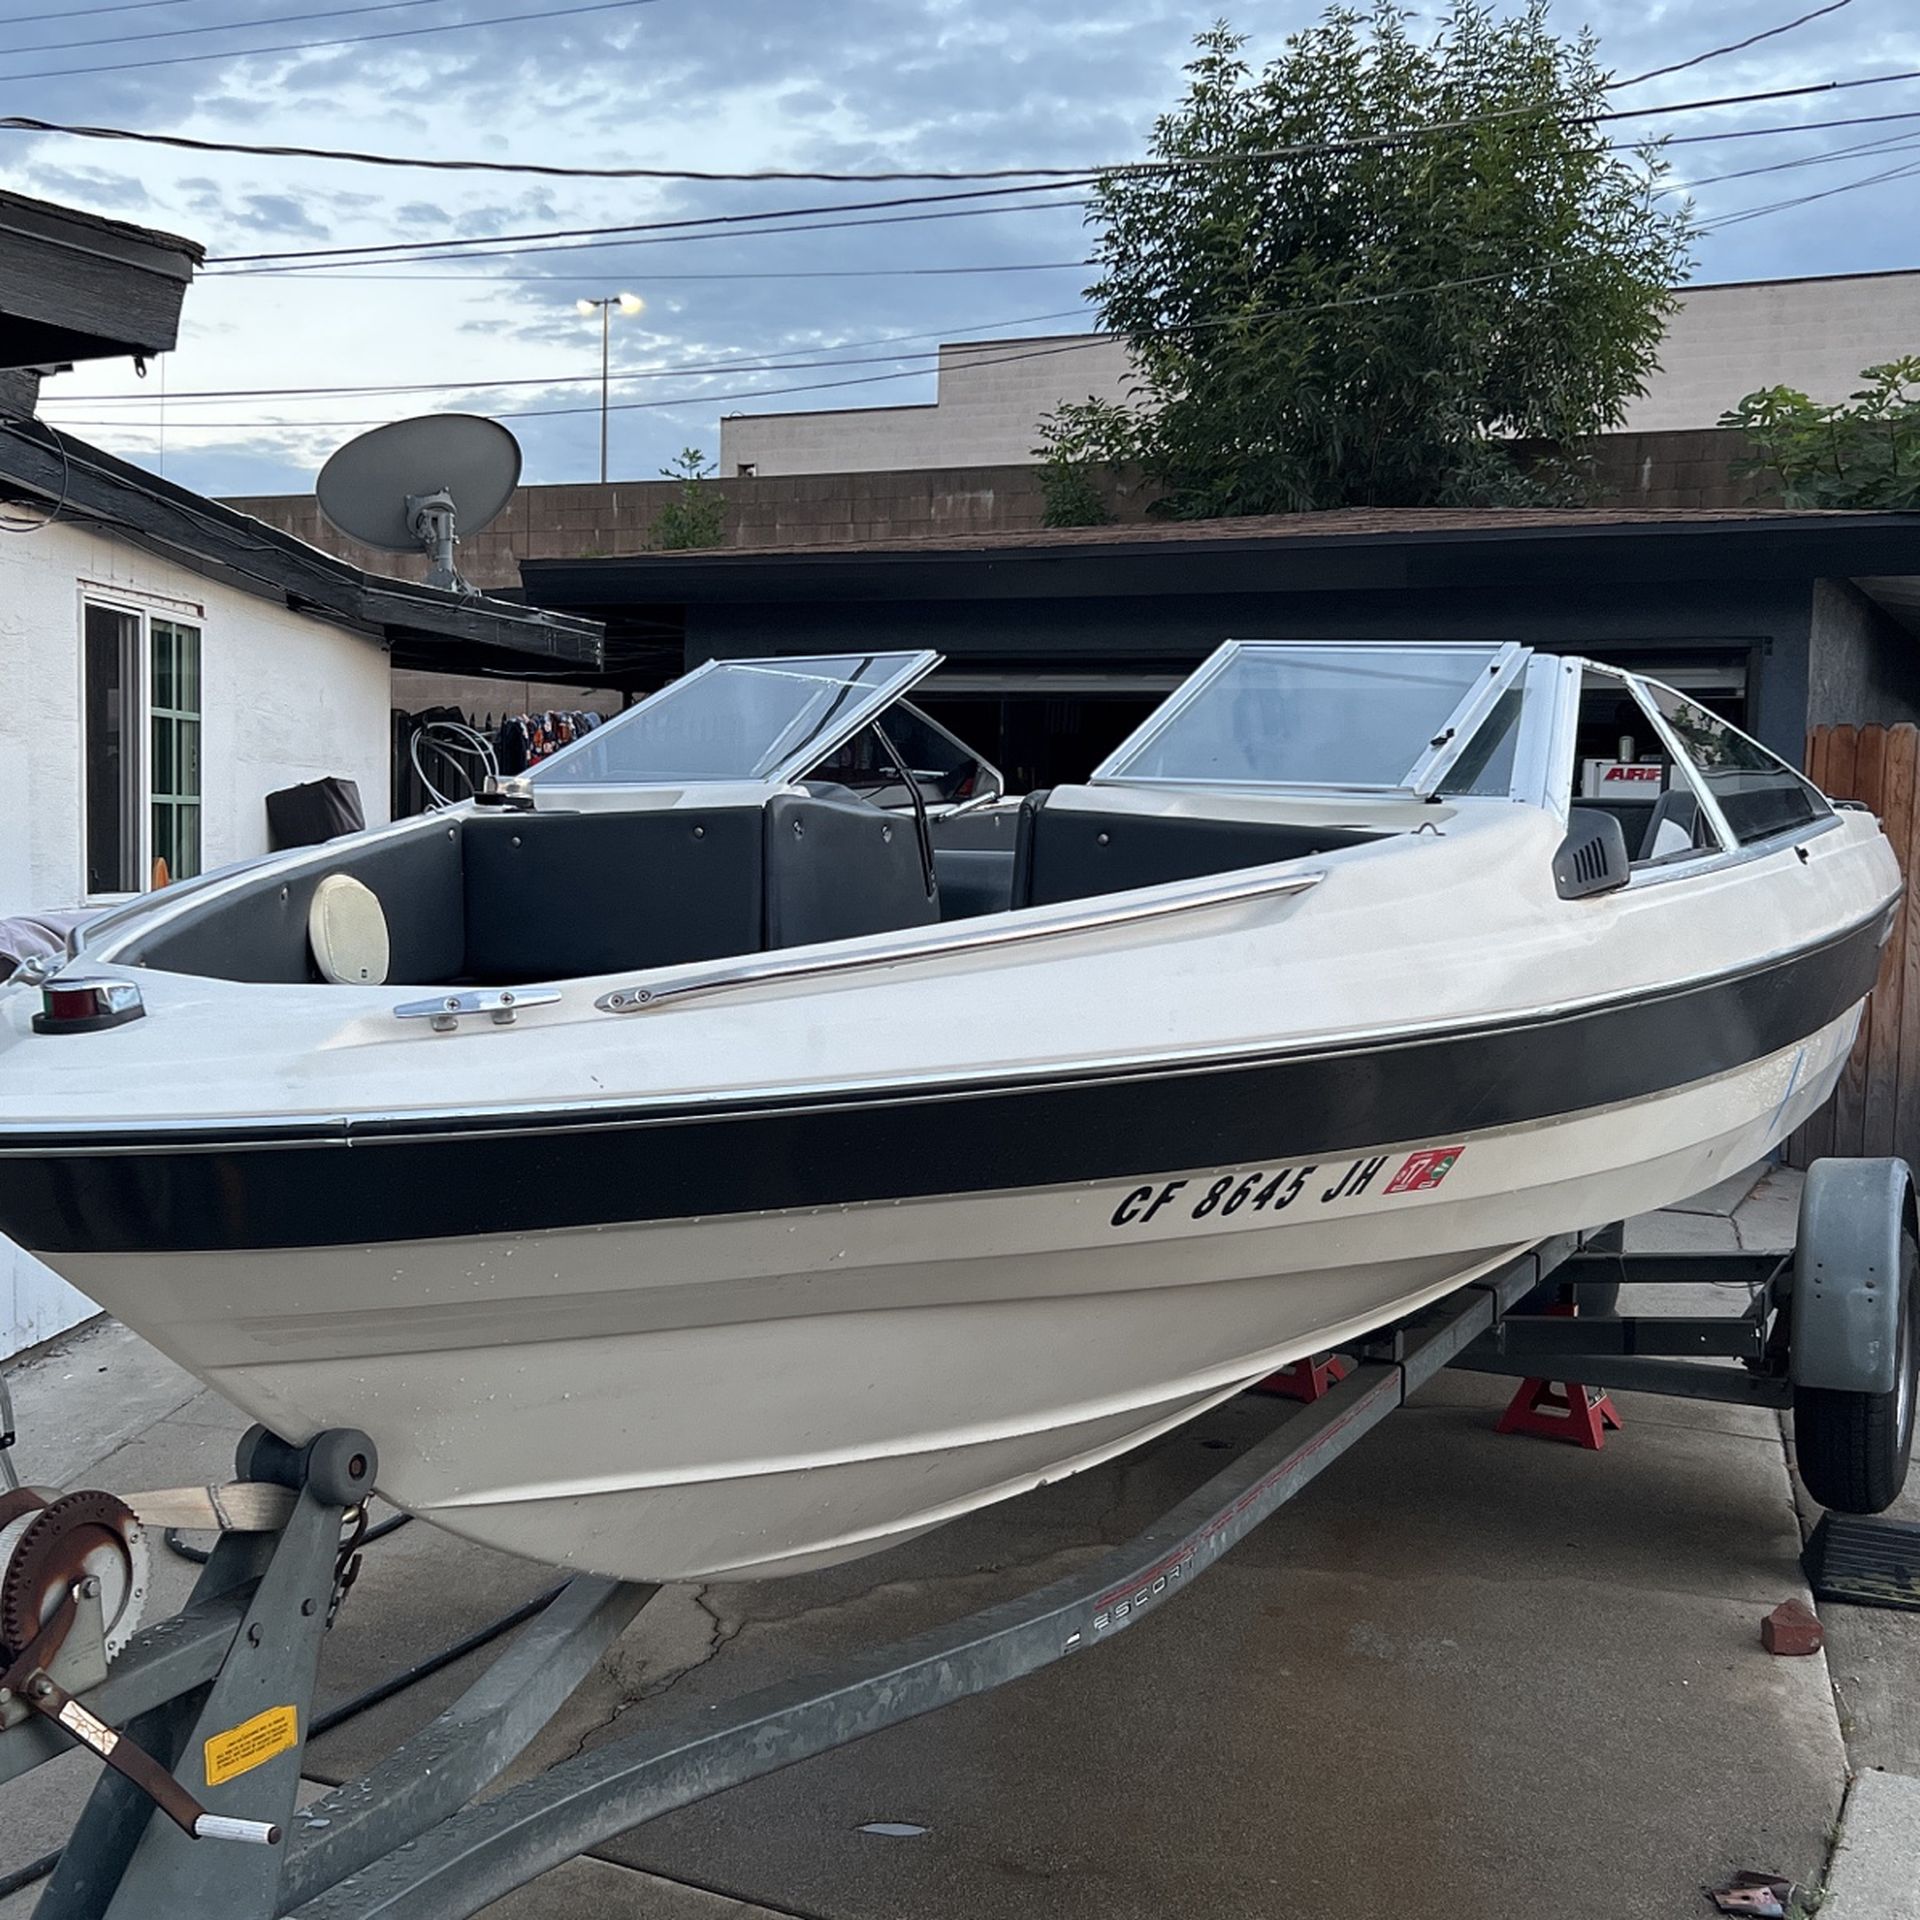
(733,85)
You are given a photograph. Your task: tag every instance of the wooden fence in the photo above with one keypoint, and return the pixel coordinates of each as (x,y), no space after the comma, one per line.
(1876,1107)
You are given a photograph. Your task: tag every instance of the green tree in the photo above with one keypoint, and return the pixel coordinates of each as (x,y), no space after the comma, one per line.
(698,516)
(1321,316)
(1865,452)
(1074,461)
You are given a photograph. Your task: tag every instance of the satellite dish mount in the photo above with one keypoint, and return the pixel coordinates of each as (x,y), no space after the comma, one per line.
(432,517)
(414,486)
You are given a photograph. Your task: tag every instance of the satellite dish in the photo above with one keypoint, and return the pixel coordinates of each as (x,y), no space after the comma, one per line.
(416,485)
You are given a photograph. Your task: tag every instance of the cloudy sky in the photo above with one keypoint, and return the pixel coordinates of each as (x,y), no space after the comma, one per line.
(844,314)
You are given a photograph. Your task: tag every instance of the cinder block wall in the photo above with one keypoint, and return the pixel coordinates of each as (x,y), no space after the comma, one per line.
(1683,469)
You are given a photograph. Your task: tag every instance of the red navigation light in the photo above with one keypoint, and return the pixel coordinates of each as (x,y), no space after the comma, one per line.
(86,1005)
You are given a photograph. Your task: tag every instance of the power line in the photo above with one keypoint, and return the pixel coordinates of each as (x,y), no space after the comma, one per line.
(318,46)
(426,249)
(221,26)
(654,279)
(1743,214)
(1736,46)
(24,123)
(865,380)
(1887,141)
(662,239)
(81,13)
(574,379)
(1792,126)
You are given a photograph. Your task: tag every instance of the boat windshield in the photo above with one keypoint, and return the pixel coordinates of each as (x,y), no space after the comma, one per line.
(764,721)
(1298,714)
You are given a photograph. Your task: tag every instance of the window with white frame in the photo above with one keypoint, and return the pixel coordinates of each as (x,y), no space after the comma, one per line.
(140,712)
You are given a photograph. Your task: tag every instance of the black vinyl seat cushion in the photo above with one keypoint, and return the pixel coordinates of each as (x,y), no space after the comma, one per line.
(838,868)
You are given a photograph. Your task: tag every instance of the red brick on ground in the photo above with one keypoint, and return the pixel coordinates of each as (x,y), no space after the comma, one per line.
(1792,1629)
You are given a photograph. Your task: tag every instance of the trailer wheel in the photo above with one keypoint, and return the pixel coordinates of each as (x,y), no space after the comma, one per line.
(1853,1448)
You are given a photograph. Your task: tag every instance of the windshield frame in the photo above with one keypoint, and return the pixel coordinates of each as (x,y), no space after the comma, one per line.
(1507,662)
(873,702)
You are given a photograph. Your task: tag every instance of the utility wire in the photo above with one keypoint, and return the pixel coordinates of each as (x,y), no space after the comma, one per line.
(1887,142)
(582,379)
(1792,126)
(24,123)
(1744,214)
(82,13)
(654,279)
(1735,46)
(221,26)
(318,46)
(1079,345)
(656,240)
(419,249)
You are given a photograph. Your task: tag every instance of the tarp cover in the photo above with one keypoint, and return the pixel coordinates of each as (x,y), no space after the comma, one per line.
(321,810)
(31,935)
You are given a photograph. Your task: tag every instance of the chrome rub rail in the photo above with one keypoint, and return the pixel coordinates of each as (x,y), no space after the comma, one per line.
(773,968)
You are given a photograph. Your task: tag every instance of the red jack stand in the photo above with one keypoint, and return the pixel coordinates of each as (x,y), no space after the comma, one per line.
(1566,1412)
(1309,1379)
(1563,1410)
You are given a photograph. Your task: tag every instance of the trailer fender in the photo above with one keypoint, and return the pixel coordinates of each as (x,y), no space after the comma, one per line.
(1847,1274)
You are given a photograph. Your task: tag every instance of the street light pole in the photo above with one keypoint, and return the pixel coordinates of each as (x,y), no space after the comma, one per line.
(627,303)
(606,331)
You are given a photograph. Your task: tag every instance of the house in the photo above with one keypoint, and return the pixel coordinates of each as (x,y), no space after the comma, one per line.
(183,661)
(168,661)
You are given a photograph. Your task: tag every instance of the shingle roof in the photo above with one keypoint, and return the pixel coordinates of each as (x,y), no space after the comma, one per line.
(1338,523)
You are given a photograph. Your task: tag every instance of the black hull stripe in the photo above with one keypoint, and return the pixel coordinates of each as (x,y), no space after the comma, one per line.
(436,1181)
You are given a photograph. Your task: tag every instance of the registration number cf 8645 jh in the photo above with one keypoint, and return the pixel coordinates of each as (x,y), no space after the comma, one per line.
(1274,1190)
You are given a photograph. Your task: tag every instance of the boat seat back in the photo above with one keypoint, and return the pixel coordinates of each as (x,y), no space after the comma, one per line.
(840,868)
(262,934)
(973,880)
(566,895)
(1673,827)
(1067,854)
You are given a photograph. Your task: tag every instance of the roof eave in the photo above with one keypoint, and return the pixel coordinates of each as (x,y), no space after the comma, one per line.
(83,482)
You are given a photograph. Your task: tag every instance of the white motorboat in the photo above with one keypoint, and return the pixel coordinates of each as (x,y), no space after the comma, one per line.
(747,1140)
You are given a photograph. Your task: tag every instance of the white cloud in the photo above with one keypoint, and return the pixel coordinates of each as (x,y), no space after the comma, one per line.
(729,84)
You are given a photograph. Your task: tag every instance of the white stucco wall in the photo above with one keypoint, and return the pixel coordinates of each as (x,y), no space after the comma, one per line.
(1725,341)
(284,698)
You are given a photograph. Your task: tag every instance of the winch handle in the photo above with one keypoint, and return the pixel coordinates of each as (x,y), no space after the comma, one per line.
(28,1680)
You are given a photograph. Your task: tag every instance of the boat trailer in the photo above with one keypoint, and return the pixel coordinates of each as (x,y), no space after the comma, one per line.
(201,1719)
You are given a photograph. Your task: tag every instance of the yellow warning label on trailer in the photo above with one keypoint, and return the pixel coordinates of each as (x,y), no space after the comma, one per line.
(251,1744)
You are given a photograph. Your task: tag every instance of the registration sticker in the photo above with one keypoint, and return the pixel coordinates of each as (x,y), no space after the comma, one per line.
(1423,1171)
(251,1744)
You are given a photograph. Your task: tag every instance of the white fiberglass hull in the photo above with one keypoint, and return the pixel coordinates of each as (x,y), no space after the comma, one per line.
(771,1392)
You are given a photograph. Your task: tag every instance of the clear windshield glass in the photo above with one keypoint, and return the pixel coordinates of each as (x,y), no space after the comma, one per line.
(737,720)
(1758,795)
(1267,714)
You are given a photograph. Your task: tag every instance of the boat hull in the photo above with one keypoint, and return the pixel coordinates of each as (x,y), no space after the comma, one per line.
(770,1392)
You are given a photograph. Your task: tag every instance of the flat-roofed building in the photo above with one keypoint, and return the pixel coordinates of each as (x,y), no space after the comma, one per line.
(1722,342)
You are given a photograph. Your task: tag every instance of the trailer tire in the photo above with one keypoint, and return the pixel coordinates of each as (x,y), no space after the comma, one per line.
(1853,1449)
